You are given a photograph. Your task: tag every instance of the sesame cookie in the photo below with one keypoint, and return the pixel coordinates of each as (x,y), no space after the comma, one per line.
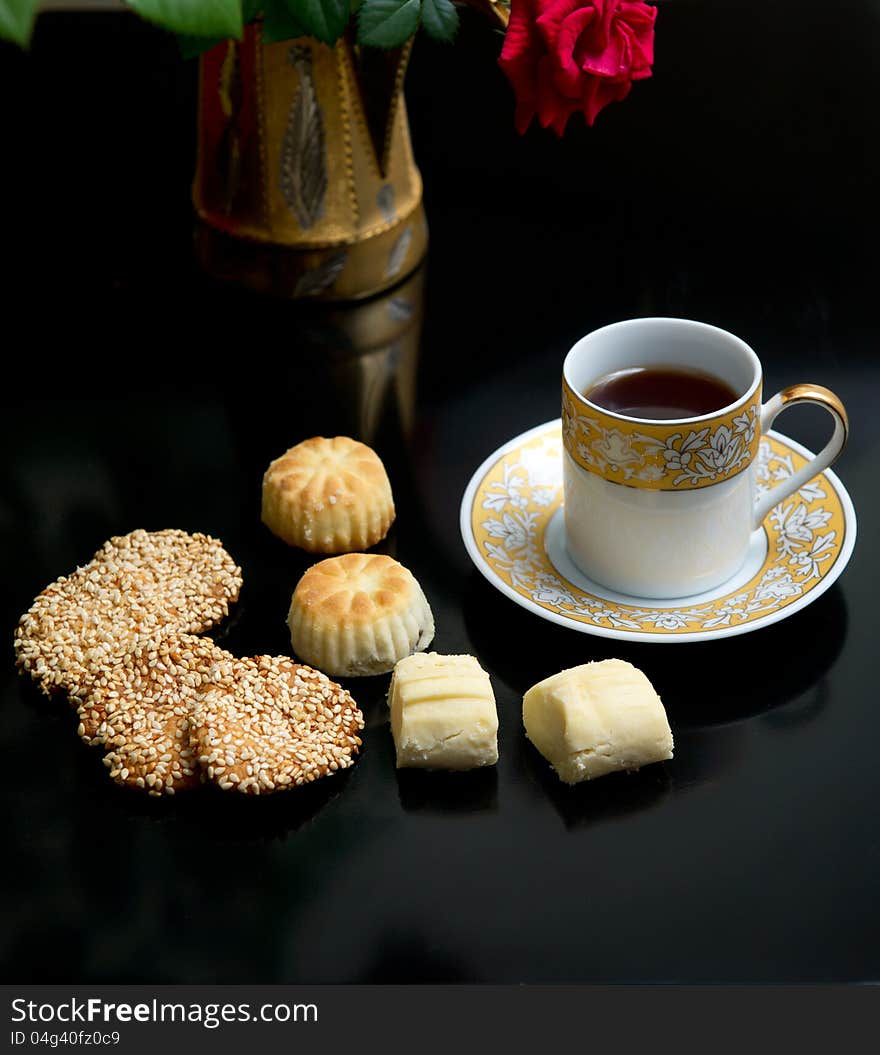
(135,587)
(81,625)
(269,723)
(328,496)
(190,577)
(168,669)
(141,709)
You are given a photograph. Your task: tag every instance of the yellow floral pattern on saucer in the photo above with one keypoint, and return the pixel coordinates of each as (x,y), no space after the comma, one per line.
(518,495)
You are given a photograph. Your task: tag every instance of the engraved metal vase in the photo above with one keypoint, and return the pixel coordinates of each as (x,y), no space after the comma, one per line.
(305,182)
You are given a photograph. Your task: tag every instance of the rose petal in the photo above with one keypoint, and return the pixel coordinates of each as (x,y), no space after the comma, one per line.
(614,60)
(554,12)
(566,54)
(641,17)
(549,101)
(559,122)
(519,59)
(598,93)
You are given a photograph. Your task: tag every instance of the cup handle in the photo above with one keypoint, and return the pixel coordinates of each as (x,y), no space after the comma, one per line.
(788,397)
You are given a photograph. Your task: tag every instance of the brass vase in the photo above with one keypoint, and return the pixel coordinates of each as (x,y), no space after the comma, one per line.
(305,182)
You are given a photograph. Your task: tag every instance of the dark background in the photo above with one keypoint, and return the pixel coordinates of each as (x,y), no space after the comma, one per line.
(738,186)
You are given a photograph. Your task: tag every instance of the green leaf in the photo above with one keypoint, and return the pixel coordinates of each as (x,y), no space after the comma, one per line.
(17,20)
(387,23)
(279,23)
(199,18)
(324,19)
(440,19)
(191,47)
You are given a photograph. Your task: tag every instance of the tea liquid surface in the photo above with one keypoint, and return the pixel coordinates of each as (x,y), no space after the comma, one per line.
(660,392)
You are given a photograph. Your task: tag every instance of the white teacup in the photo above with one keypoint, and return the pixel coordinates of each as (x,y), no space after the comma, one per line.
(665,509)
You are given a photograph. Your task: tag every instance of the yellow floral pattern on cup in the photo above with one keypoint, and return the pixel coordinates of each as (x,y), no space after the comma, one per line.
(664,457)
(520,493)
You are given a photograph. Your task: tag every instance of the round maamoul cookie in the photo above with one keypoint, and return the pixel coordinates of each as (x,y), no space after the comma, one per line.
(142,708)
(266,724)
(328,496)
(134,587)
(358,614)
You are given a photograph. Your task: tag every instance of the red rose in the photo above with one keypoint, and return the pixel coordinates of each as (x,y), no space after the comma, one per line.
(562,56)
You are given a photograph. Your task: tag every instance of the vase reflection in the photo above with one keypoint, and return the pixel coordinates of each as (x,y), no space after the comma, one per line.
(340,369)
(302,370)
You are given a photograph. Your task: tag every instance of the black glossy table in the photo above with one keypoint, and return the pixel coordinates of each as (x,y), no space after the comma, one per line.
(737,187)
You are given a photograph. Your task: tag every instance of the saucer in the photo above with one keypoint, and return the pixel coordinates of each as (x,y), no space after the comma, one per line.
(513,530)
